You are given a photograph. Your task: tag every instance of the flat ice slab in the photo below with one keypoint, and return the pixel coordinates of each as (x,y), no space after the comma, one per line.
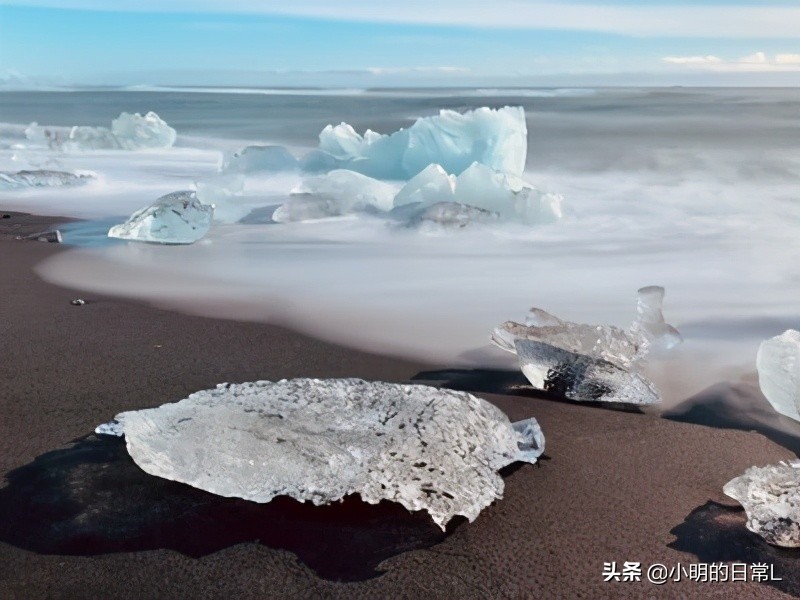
(320,440)
(771,498)
(177,218)
(41,178)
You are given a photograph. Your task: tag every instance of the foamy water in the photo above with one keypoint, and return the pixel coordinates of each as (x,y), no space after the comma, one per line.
(695,190)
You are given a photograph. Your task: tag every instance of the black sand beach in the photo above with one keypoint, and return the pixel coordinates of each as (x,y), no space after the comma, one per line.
(615,486)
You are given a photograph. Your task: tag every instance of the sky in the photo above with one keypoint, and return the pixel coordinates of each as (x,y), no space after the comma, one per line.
(365,43)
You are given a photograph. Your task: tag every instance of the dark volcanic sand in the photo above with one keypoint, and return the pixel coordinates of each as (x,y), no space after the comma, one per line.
(617,486)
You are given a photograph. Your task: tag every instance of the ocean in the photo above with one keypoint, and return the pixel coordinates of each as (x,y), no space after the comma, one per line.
(693,189)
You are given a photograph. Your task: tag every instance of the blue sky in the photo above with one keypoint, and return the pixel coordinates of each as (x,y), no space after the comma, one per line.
(402,42)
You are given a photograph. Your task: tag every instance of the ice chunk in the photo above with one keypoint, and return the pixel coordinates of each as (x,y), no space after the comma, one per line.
(320,440)
(451,215)
(496,138)
(507,195)
(254,159)
(600,362)
(177,218)
(127,132)
(484,188)
(42,178)
(778,365)
(339,192)
(580,377)
(430,186)
(771,498)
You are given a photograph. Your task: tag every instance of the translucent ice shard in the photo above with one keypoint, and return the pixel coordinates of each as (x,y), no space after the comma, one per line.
(496,138)
(590,362)
(255,159)
(778,364)
(177,218)
(339,192)
(771,498)
(432,185)
(41,178)
(579,377)
(127,132)
(320,440)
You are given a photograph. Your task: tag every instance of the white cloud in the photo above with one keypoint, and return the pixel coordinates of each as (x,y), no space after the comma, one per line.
(758,62)
(693,60)
(680,20)
(417,70)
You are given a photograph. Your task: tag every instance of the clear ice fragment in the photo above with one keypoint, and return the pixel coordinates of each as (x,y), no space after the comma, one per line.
(778,365)
(319,440)
(177,218)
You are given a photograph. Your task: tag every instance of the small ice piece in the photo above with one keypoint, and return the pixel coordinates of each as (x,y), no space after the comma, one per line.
(177,218)
(320,440)
(451,215)
(255,159)
(650,328)
(339,192)
(127,132)
(496,138)
(52,237)
(771,498)
(600,362)
(111,428)
(778,365)
(42,178)
(580,377)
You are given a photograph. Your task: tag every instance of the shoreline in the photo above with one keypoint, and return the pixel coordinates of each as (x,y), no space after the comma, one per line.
(614,487)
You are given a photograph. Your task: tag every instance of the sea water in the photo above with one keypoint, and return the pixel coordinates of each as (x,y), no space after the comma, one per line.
(697,190)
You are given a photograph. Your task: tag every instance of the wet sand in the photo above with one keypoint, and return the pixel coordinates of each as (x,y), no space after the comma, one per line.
(614,486)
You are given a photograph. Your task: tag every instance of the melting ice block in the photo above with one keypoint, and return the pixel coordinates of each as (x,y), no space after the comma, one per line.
(771,498)
(497,138)
(336,193)
(778,364)
(177,218)
(127,132)
(320,440)
(255,159)
(42,178)
(590,362)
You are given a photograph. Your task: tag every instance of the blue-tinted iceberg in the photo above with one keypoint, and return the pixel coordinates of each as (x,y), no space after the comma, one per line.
(320,440)
(260,159)
(497,138)
(42,178)
(177,218)
(127,132)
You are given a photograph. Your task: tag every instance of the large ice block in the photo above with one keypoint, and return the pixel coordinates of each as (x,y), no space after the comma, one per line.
(42,178)
(496,138)
(778,364)
(771,498)
(177,218)
(591,362)
(319,440)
